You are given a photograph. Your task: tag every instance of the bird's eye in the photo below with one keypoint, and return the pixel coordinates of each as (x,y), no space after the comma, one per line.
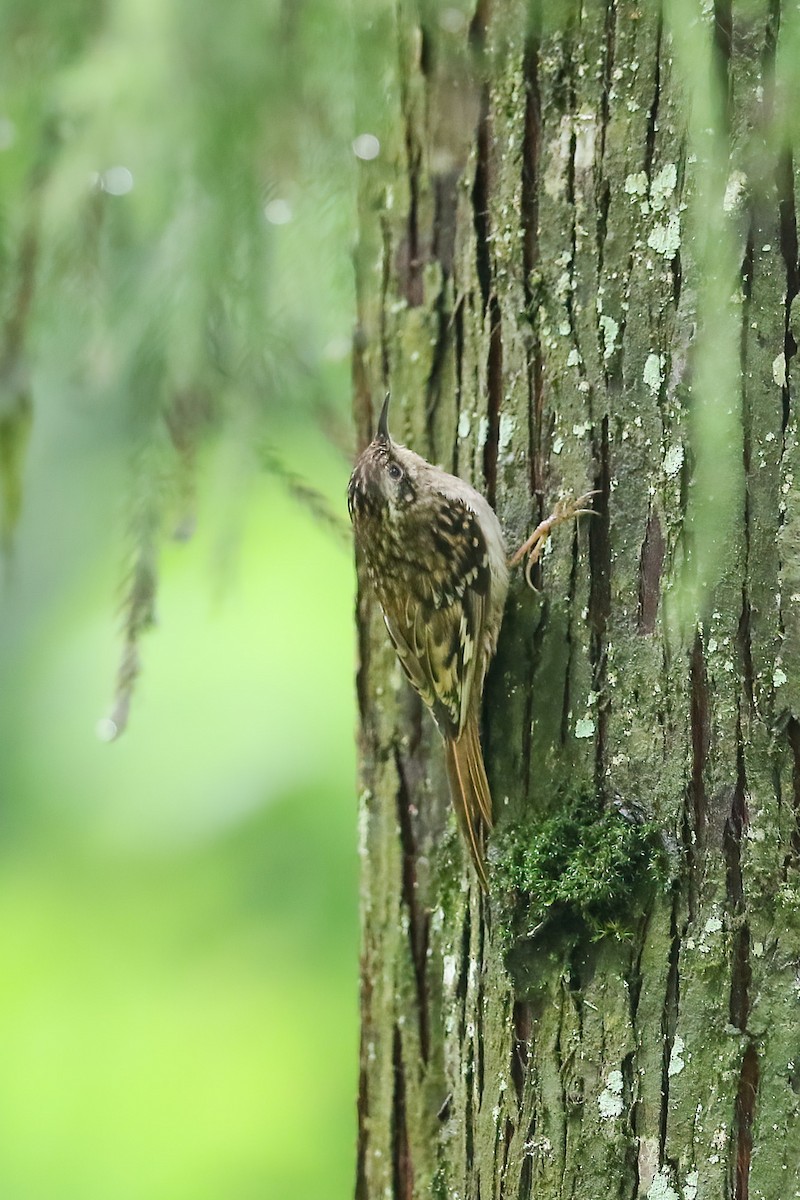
(394,471)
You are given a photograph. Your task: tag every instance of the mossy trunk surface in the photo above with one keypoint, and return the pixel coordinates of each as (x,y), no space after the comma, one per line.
(576,269)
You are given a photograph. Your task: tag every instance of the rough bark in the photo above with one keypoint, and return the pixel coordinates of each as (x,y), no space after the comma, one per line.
(577,269)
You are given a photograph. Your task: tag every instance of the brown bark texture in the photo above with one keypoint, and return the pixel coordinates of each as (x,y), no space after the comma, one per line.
(578,268)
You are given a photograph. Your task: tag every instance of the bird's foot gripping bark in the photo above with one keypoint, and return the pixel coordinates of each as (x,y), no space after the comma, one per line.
(565,510)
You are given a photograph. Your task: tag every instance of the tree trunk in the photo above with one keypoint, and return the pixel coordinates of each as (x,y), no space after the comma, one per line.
(577,267)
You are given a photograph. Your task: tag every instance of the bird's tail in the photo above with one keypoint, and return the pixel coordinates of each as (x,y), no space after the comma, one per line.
(469,790)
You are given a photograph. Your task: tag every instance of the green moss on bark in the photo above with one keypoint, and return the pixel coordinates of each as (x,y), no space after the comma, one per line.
(581,868)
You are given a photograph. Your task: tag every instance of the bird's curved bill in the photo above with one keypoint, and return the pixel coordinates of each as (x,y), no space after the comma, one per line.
(383,419)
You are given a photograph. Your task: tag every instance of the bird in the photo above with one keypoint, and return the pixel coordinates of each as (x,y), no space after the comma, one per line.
(435,554)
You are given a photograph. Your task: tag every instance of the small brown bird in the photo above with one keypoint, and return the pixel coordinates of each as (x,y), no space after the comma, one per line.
(436,556)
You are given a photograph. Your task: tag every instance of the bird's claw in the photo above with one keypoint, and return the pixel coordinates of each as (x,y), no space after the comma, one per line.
(565,509)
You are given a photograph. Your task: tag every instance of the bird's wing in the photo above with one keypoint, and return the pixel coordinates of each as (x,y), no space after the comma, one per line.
(438,629)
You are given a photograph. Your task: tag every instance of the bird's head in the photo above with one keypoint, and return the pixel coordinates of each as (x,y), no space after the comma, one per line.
(385,480)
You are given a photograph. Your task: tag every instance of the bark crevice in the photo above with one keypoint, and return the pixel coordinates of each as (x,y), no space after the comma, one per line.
(746,1097)
(402,1166)
(793,737)
(600,595)
(700,720)
(650,564)
(418,914)
(669,1022)
(529,214)
(494,400)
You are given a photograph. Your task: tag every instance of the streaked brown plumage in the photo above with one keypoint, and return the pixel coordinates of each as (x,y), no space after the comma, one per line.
(435,554)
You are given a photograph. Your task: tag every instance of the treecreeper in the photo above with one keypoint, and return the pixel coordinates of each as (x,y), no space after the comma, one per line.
(435,554)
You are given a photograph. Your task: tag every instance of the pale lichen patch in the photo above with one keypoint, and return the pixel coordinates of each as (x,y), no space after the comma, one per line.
(663,186)
(505,431)
(666,239)
(661,1188)
(676,1060)
(610,330)
(673,461)
(636,185)
(653,373)
(610,1099)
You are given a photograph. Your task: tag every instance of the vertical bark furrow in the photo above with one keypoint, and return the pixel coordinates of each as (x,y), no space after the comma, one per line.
(526,1179)
(701,739)
(444,220)
(676,272)
(609,43)
(362,1183)
(402,1166)
(440,361)
(771,33)
(651,562)
(631,1168)
(741,978)
(569,648)
(735,825)
(669,1022)
(744,1116)
(494,400)
(723,44)
(408,268)
(531,149)
(536,454)
(463,977)
(522,1018)
(600,594)
(603,186)
(745,648)
(363,692)
(529,217)
(787,216)
(652,113)
(409,265)
(793,736)
(480,199)
(469,1111)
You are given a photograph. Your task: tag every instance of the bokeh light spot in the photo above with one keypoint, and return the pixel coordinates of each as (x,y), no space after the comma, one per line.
(278,212)
(117,181)
(366,146)
(106,729)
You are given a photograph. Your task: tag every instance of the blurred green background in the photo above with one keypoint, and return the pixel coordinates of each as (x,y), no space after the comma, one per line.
(178,1007)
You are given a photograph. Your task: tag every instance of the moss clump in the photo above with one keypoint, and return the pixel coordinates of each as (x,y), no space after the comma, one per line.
(583,865)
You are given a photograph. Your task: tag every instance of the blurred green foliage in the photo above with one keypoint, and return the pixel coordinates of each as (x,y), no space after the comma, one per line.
(178,1015)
